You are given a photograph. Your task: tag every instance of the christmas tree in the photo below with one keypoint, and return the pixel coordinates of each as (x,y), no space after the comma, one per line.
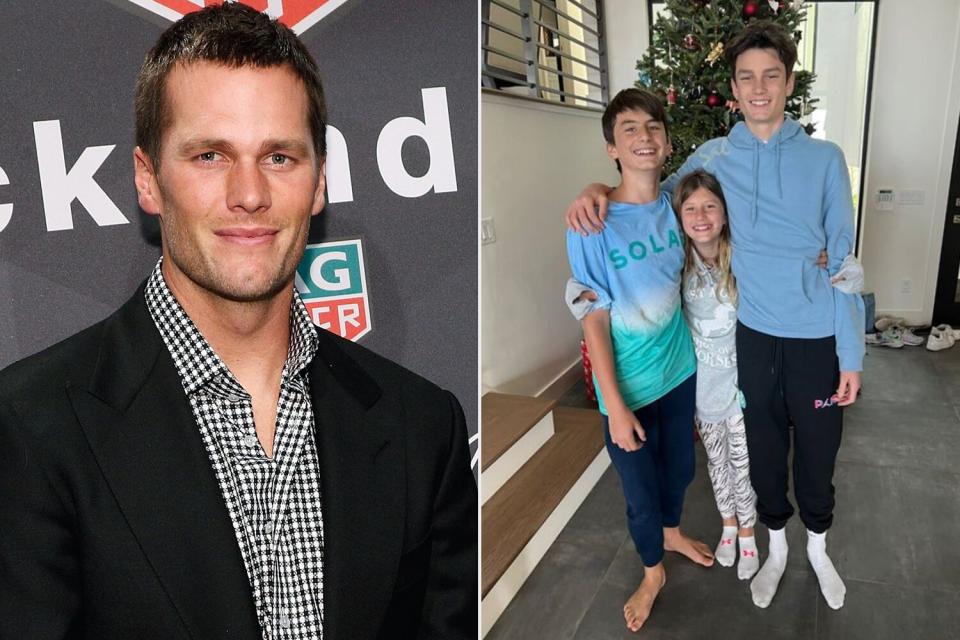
(685,66)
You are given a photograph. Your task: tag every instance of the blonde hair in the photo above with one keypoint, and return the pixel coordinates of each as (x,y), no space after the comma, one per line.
(685,188)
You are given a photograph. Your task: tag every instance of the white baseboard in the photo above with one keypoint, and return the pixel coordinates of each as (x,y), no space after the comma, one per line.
(562,383)
(520,569)
(510,461)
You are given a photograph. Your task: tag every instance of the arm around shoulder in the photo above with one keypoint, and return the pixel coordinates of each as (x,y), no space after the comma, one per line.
(589,209)
(838,225)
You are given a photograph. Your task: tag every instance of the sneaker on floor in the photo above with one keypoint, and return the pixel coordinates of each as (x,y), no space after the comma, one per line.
(889,338)
(913,340)
(885,322)
(941,337)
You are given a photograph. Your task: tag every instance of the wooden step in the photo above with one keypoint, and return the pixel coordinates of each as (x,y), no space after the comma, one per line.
(505,419)
(513,515)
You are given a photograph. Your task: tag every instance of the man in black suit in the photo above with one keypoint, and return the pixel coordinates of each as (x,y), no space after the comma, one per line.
(205,463)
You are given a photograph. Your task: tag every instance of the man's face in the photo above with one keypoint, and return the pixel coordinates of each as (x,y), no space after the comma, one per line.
(238,179)
(761,86)
(640,142)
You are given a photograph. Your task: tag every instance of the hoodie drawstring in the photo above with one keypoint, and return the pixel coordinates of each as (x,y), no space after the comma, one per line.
(754,211)
(779,169)
(755,204)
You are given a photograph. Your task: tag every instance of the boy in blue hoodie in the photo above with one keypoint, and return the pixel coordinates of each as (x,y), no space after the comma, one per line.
(799,339)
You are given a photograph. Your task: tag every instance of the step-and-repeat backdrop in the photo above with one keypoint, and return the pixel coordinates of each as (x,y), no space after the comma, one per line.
(392,260)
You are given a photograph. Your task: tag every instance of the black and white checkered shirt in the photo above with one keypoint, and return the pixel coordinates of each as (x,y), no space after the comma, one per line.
(274,503)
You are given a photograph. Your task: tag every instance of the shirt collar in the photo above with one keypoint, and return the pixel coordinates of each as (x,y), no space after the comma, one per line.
(195,359)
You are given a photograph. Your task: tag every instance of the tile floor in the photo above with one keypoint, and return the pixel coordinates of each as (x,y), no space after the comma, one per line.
(895,539)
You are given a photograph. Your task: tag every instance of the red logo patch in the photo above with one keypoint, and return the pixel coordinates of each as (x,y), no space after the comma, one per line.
(299,15)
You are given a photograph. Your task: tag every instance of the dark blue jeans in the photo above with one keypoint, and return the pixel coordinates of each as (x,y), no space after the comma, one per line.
(655,478)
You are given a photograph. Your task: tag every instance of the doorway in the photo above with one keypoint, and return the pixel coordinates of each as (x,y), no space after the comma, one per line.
(946,304)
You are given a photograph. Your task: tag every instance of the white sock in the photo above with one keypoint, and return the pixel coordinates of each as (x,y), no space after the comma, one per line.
(764,585)
(726,551)
(831,586)
(749,558)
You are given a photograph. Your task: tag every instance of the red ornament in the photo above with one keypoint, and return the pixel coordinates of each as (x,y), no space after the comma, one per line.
(672,95)
(750,9)
(690,42)
(714,99)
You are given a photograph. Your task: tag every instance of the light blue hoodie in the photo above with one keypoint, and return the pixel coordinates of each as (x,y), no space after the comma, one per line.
(787,199)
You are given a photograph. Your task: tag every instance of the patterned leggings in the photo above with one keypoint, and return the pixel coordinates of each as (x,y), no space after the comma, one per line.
(729,468)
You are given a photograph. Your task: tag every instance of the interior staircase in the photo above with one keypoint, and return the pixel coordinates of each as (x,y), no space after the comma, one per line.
(538,462)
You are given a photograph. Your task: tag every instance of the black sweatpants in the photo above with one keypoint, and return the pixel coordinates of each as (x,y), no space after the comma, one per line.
(790,381)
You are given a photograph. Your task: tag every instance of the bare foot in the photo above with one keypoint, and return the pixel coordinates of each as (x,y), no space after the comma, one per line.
(638,607)
(674,540)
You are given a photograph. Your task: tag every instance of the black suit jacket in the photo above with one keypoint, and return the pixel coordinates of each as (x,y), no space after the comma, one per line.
(112,524)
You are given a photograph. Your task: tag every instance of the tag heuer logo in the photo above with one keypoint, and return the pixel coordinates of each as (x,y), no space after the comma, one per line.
(299,15)
(333,284)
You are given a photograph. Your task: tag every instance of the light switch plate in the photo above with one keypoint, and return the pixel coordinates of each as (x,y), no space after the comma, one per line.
(488,234)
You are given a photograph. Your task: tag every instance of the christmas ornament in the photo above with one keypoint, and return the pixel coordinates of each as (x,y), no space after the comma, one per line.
(696,93)
(775,5)
(690,42)
(644,78)
(715,53)
(671,95)
(750,9)
(714,99)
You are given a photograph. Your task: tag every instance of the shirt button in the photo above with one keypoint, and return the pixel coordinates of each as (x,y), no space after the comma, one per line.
(250,441)
(233,398)
(284,621)
(268,527)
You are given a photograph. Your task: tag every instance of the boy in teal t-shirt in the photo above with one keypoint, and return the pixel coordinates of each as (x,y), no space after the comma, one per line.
(643,358)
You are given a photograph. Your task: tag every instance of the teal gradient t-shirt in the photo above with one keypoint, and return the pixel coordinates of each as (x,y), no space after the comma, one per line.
(635,267)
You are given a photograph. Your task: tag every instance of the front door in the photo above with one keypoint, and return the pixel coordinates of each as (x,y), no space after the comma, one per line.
(946,304)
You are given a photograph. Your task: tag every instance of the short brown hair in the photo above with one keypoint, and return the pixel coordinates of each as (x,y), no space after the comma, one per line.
(632,100)
(762,34)
(231,34)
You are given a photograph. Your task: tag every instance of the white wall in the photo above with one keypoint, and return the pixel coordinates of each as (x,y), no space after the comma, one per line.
(913,128)
(535,159)
(627,32)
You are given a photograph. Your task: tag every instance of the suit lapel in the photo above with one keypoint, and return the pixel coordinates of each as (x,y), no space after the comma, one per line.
(141,430)
(361,461)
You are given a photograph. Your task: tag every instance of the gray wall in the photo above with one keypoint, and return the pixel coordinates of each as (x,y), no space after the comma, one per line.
(65,265)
